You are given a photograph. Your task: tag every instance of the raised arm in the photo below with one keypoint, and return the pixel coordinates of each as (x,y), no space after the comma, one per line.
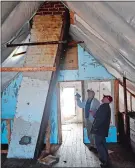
(80,103)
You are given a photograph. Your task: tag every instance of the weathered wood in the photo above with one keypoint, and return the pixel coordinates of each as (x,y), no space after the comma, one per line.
(8,122)
(4,151)
(45,118)
(59,115)
(116,101)
(71,17)
(125,94)
(26,69)
(48,145)
(70,60)
(131,102)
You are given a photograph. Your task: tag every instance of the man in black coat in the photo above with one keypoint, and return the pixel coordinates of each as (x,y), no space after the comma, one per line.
(100,129)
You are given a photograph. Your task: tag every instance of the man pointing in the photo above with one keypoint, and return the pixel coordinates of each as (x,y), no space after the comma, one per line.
(90,105)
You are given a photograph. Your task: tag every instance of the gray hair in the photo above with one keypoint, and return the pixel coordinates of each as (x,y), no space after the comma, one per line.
(92,91)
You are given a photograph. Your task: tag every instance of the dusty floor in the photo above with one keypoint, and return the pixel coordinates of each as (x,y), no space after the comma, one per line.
(73,153)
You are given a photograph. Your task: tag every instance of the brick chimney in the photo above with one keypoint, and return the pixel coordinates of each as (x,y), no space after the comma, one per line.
(50,23)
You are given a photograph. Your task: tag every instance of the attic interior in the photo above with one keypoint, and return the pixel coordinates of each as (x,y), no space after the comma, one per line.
(49,52)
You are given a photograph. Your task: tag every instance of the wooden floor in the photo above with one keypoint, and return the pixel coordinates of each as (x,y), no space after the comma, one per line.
(73,153)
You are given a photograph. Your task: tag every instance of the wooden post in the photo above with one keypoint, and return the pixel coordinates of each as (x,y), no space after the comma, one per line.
(48,131)
(116,100)
(59,115)
(8,129)
(131,102)
(125,94)
(126,118)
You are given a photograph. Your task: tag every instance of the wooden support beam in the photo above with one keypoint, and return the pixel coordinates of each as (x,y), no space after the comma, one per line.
(71,17)
(26,69)
(17,54)
(127,89)
(116,100)
(72,43)
(131,102)
(8,123)
(37,43)
(126,118)
(125,94)
(4,151)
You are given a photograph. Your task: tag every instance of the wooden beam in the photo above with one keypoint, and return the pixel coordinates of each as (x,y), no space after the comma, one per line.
(26,69)
(131,102)
(37,43)
(125,94)
(17,54)
(8,122)
(59,115)
(71,17)
(116,100)
(72,43)
(4,151)
(127,89)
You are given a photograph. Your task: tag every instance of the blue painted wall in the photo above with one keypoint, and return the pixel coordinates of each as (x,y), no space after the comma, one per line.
(89,69)
(8,102)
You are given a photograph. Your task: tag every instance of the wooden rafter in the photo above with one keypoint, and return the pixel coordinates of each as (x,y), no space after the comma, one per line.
(26,69)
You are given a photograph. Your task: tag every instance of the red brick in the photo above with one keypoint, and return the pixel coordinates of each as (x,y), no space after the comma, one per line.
(53,9)
(59,6)
(57,13)
(47,13)
(49,5)
(61,9)
(39,13)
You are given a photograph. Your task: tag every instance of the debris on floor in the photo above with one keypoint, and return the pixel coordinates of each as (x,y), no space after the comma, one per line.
(49,160)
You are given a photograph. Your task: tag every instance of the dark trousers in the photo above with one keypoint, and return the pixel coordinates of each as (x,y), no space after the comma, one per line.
(102,148)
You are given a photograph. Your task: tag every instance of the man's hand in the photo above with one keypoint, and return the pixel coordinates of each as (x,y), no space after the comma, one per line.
(77,98)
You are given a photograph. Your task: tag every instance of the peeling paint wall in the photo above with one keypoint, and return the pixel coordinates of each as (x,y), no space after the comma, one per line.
(89,69)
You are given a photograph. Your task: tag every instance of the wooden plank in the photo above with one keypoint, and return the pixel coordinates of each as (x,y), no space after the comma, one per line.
(71,17)
(116,100)
(71,59)
(59,115)
(131,102)
(4,151)
(8,123)
(26,69)
(48,131)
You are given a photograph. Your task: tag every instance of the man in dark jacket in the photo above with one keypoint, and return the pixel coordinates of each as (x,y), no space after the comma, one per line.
(100,128)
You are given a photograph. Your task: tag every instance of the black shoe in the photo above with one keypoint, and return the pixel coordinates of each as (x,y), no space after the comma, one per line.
(105,165)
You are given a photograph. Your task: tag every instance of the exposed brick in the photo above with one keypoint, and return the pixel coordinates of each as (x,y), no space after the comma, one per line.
(53,9)
(61,9)
(57,13)
(44,9)
(47,13)
(39,13)
(59,6)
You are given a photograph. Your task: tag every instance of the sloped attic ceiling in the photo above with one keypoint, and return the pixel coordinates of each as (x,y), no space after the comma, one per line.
(107,28)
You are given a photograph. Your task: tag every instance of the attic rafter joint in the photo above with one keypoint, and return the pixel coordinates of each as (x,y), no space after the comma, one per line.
(26,69)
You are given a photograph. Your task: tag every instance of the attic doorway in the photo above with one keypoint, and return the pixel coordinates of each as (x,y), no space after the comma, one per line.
(71,116)
(68,108)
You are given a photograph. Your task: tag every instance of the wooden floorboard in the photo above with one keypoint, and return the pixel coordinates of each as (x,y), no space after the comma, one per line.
(73,152)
